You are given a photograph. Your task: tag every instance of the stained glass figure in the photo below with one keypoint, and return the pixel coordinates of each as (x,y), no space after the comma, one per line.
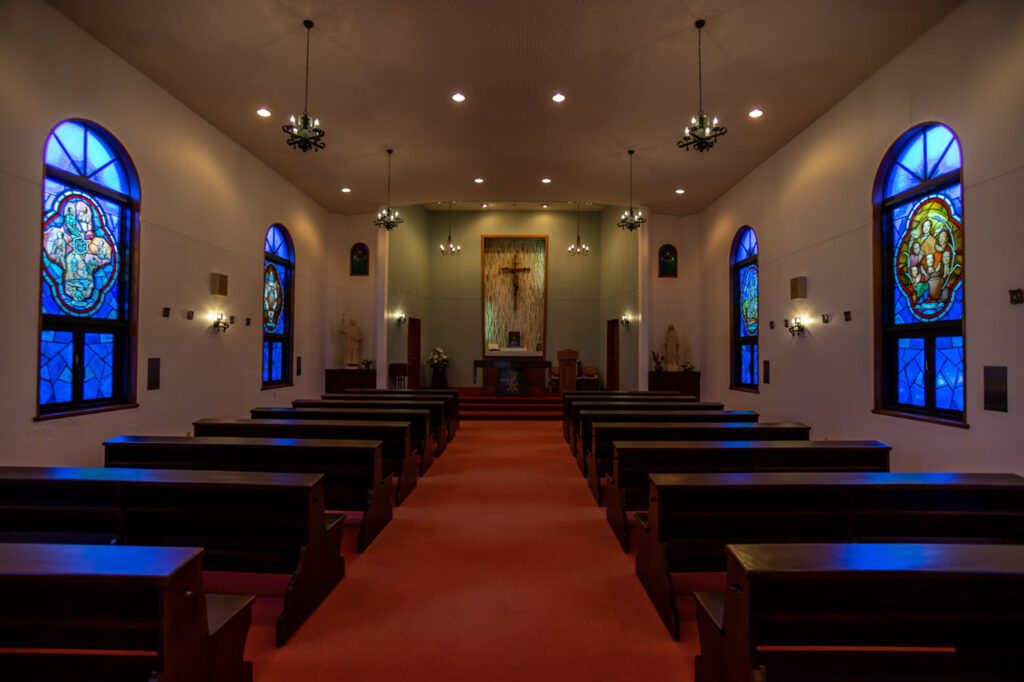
(928,263)
(744,270)
(273,296)
(748,300)
(278,275)
(667,261)
(359,260)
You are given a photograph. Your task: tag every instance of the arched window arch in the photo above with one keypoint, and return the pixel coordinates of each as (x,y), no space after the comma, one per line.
(743,271)
(278,294)
(919,287)
(667,261)
(88,304)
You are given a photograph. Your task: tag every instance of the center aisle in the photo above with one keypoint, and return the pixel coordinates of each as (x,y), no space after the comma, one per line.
(499,566)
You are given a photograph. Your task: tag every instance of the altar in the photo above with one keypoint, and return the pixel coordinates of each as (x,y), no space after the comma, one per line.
(512,373)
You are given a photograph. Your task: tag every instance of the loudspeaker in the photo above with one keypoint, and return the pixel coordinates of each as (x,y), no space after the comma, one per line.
(218,284)
(798,288)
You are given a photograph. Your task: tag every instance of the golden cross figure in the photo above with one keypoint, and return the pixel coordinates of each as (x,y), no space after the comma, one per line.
(514,271)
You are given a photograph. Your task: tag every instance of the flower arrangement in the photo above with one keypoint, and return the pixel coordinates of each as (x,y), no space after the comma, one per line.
(438,359)
(657,360)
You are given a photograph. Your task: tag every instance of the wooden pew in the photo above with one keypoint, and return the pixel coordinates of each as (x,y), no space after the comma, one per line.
(251,522)
(957,611)
(585,414)
(599,462)
(96,612)
(691,517)
(439,422)
(353,470)
(399,460)
(569,397)
(628,486)
(580,434)
(449,395)
(423,441)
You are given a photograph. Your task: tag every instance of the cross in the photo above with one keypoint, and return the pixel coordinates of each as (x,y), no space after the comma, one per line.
(515,270)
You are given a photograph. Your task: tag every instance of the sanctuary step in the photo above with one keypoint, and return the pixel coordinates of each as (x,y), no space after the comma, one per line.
(541,405)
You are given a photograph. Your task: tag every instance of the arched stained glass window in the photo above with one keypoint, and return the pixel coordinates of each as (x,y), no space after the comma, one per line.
(743,267)
(920,307)
(278,280)
(89,260)
(667,261)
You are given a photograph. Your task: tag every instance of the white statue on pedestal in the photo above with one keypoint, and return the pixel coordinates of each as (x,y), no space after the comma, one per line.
(354,336)
(672,350)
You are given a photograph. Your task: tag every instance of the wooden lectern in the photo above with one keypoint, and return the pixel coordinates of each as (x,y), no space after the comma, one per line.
(567,370)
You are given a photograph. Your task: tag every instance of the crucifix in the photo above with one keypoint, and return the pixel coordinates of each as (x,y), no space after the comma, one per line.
(514,271)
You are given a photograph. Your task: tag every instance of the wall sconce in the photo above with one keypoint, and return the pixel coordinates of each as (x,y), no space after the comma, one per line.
(402,318)
(220,323)
(626,321)
(796,328)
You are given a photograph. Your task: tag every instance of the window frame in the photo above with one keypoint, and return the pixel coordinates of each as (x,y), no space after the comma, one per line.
(736,341)
(287,316)
(125,328)
(886,332)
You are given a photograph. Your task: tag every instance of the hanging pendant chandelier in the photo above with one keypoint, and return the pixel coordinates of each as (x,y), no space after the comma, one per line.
(633,218)
(703,129)
(388,217)
(579,248)
(450,249)
(305,132)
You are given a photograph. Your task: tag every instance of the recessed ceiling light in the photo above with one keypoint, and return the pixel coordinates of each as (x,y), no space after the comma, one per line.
(755,113)
(346,190)
(263,111)
(478,180)
(483,205)
(546,181)
(544,205)
(459,97)
(558,97)
(680,191)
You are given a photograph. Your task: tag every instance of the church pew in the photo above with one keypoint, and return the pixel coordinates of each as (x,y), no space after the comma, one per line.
(599,459)
(423,439)
(249,521)
(691,517)
(439,422)
(399,459)
(627,488)
(111,613)
(622,396)
(585,414)
(887,612)
(354,478)
(449,395)
(580,441)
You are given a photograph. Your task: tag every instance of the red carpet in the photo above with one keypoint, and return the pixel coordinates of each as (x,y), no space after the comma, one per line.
(498,567)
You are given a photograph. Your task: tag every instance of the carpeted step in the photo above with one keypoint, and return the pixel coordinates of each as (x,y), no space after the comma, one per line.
(508,415)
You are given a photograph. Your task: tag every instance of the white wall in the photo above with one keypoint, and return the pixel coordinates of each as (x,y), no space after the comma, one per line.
(810,205)
(205,207)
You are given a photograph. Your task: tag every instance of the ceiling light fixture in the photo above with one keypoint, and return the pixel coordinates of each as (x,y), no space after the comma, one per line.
(579,248)
(544,205)
(346,190)
(451,249)
(263,112)
(680,191)
(755,113)
(388,218)
(305,133)
(546,181)
(703,129)
(478,180)
(459,97)
(483,205)
(558,97)
(633,218)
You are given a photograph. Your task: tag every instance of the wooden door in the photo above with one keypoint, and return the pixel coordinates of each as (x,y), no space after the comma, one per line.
(413,360)
(611,374)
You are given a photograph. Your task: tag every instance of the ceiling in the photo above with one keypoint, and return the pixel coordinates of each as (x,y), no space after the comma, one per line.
(382,73)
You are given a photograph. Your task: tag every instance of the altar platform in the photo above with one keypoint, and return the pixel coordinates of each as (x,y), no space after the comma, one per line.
(514,374)
(541,404)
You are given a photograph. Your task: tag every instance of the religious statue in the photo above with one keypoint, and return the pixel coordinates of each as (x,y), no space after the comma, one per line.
(672,349)
(355,335)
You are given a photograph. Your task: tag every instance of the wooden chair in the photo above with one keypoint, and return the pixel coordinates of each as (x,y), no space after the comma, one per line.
(553,383)
(567,360)
(397,371)
(589,380)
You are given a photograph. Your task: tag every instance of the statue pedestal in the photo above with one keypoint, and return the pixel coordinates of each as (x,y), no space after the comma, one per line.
(337,380)
(439,378)
(687,383)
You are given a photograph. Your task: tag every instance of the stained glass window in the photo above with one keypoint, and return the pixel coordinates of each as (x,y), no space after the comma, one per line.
(278,278)
(90,199)
(921,232)
(667,261)
(743,263)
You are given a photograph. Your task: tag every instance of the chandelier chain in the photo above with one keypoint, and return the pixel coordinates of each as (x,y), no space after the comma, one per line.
(305,99)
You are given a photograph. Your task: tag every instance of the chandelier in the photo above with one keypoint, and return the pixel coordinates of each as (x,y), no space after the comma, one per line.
(703,129)
(305,133)
(388,218)
(450,249)
(633,218)
(579,248)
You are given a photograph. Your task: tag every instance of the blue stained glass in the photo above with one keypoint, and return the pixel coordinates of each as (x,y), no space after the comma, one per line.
(266,361)
(77,149)
(912,157)
(899,180)
(278,244)
(275,360)
(274,283)
(97,155)
(937,142)
(746,246)
(71,136)
(748,300)
(753,363)
(949,377)
(951,161)
(56,358)
(98,363)
(928,259)
(910,362)
(112,176)
(928,154)
(745,376)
